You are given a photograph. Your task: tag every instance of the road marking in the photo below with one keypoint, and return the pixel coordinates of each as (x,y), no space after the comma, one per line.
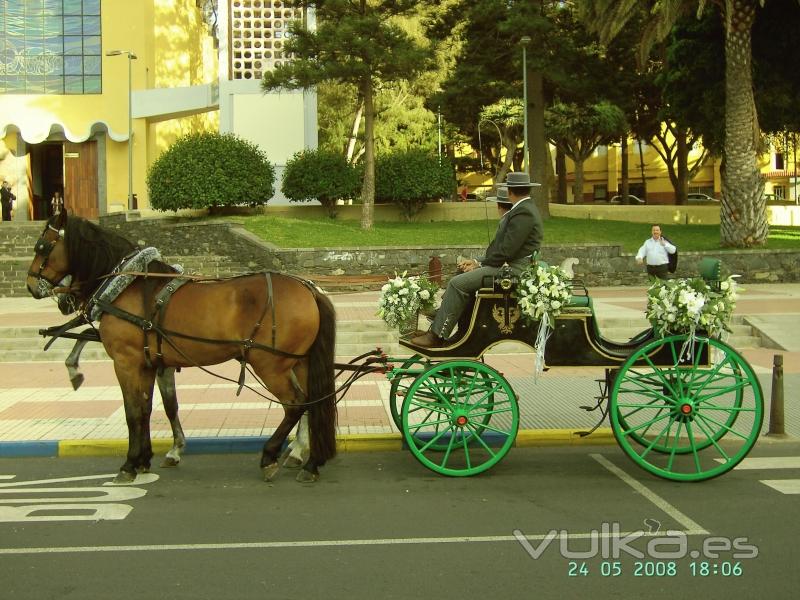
(784,486)
(7,476)
(662,504)
(322,543)
(768,462)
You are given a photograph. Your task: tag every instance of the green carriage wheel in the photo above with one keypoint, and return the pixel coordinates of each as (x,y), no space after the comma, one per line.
(401,385)
(689,421)
(686,376)
(460,417)
(401,381)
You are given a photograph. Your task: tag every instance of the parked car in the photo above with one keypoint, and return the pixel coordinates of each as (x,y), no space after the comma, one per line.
(631,199)
(698,197)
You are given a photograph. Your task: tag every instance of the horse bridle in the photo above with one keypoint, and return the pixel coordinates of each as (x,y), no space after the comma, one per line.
(43,248)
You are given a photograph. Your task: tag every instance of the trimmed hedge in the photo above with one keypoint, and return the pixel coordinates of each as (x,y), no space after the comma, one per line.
(411,178)
(321,175)
(210,169)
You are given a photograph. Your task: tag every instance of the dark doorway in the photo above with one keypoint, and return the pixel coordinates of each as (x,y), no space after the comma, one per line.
(47,176)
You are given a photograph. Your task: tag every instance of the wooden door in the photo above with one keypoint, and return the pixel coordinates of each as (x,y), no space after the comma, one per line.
(80,179)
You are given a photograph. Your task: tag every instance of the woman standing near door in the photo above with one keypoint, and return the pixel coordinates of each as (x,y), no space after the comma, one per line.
(56,204)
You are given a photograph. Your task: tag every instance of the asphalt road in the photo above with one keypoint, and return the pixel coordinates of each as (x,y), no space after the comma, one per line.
(381,526)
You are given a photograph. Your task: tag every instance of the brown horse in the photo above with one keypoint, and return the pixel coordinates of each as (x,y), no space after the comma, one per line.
(281,326)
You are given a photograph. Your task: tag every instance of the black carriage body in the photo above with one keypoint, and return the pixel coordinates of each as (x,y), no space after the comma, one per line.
(576,340)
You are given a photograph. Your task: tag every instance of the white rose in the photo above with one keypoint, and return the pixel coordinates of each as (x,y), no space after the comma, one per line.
(424,294)
(555,305)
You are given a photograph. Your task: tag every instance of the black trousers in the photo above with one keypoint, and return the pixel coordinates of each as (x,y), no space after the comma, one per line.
(660,271)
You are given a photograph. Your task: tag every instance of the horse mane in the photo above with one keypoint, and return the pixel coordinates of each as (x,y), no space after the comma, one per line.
(92,251)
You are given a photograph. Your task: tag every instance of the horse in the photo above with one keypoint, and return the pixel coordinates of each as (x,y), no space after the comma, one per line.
(281,327)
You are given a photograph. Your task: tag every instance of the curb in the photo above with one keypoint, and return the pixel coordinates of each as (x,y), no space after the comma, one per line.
(378,442)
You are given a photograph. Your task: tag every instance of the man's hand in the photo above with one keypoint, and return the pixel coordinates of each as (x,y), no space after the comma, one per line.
(639,261)
(465,266)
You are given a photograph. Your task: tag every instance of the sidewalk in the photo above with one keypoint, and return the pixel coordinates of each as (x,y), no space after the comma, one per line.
(41,414)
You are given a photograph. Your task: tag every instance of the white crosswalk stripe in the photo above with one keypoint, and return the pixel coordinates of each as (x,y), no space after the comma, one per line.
(784,486)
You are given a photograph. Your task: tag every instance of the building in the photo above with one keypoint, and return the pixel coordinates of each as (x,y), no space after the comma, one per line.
(68,69)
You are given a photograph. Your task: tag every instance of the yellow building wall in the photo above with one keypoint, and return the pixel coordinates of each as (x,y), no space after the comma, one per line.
(176,51)
(605,168)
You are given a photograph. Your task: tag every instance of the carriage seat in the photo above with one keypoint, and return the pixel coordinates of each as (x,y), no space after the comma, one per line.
(710,271)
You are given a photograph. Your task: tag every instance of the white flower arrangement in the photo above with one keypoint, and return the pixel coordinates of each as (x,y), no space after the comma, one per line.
(542,293)
(681,306)
(403,297)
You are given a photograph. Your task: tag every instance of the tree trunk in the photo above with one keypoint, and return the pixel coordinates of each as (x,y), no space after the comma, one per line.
(577,186)
(561,171)
(368,187)
(641,167)
(623,150)
(743,218)
(682,156)
(510,146)
(538,144)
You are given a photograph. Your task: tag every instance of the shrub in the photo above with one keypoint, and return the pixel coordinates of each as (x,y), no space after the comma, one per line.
(210,169)
(322,175)
(411,178)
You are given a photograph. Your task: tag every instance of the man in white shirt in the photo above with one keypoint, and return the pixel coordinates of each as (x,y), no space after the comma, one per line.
(655,254)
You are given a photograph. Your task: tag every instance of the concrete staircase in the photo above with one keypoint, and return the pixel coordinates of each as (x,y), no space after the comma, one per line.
(622,329)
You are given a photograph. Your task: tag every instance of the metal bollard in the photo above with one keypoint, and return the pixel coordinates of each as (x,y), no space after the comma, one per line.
(776,426)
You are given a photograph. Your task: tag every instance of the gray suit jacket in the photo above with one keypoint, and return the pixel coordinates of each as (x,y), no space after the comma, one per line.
(519,235)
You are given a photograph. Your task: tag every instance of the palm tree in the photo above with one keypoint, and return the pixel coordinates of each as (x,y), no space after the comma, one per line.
(743,218)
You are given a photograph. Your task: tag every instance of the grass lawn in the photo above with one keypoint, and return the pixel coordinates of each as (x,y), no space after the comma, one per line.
(326,233)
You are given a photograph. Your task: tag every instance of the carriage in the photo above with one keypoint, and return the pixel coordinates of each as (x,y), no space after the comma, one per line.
(685,408)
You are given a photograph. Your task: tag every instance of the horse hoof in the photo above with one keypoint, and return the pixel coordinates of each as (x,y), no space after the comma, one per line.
(292,462)
(307,476)
(77,381)
(270,471)
(143,469)
(124,477)
(170,462)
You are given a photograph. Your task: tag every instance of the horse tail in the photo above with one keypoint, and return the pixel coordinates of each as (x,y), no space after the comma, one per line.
(321,383)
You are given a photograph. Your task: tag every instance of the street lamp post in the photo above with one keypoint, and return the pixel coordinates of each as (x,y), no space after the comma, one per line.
(131,57)
(525,40)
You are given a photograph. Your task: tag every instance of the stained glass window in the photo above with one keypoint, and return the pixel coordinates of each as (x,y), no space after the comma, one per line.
(50,47)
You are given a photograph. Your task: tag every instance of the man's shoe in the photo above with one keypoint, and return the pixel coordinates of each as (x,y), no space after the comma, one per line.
(428,340)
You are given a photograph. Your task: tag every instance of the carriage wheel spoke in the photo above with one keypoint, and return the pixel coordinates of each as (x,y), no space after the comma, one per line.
(674,445)
(477,436)
(690,433)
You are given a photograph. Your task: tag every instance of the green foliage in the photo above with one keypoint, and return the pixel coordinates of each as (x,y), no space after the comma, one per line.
(578,130)
(210,169)
(411,178)
(322,175)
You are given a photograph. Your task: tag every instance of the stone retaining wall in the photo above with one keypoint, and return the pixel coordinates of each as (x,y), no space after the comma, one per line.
(226,248)
(599,265)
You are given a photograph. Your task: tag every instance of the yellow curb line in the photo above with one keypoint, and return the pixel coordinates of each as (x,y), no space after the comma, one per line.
(359,442)
(563,437)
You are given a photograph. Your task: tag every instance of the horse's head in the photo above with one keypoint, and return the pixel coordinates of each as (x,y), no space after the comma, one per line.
(51,262)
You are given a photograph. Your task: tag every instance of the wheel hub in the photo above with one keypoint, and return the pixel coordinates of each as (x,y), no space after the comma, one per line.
(460,419)
(685,410)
